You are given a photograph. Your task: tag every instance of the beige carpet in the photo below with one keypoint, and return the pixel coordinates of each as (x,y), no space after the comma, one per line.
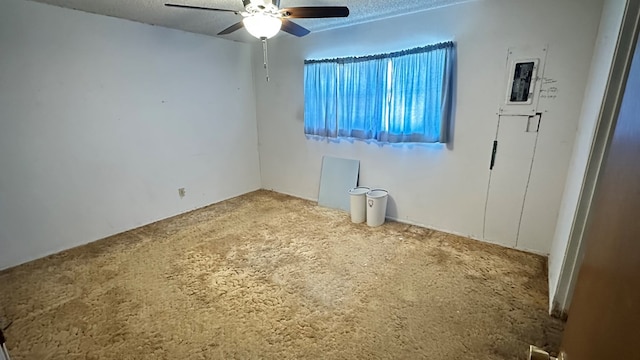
(268,276)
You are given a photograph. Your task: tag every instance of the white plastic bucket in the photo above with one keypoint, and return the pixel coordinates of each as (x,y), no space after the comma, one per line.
(376,206)
(358,204)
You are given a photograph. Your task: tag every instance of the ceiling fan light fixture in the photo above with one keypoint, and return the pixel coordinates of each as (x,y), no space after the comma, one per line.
(262,25)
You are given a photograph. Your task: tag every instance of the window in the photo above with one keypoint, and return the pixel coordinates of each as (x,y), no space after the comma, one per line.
(399,97)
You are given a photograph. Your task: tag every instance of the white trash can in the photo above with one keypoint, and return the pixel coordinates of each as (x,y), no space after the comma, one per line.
(376,206)
(358,204)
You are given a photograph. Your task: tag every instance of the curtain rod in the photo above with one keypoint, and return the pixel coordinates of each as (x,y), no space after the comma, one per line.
(352,59)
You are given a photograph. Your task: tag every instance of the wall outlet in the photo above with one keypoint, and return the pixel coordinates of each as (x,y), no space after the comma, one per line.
(181,193)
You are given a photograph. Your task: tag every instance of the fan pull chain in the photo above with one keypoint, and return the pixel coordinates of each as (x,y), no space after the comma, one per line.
(265,53)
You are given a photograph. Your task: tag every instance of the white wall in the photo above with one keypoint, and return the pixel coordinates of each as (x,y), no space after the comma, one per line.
(102,120)
(564,253)
(438,186)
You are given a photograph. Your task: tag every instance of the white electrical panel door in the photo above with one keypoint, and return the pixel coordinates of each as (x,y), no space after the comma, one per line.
(509,177)
(524,74)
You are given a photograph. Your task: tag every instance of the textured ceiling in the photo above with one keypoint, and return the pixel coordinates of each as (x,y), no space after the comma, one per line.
(210,23)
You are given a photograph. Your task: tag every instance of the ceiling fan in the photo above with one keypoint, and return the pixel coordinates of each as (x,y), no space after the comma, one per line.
(264,18)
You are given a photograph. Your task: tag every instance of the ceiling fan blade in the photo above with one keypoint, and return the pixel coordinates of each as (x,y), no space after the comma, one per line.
(315,12)
(293,28)
(232,28)
(200,8)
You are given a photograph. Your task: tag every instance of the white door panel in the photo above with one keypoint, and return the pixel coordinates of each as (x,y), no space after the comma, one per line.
(509,178)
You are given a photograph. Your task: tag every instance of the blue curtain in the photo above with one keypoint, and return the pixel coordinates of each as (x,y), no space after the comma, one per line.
(320,97)
(419,98)
(364,83)
(399,97)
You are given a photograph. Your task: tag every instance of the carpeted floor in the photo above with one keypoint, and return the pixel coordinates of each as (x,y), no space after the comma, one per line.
(268,276)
